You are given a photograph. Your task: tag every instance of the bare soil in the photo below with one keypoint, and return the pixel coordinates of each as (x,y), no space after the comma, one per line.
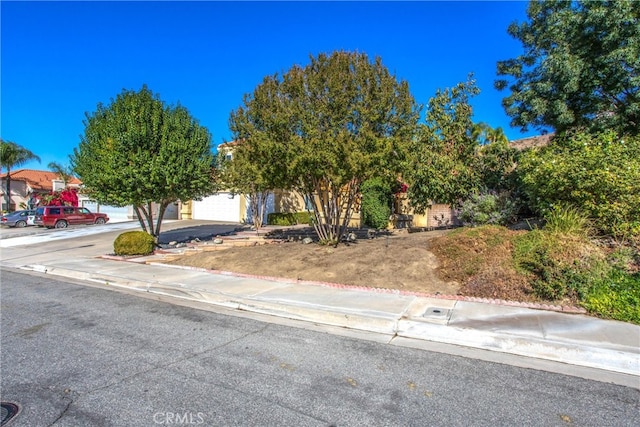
(472,262)
(400,261)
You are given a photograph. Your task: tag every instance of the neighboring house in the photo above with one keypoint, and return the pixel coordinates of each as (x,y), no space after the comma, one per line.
(227,207)
(27,184)
(224,206)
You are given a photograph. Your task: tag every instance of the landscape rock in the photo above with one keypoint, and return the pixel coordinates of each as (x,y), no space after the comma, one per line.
(307,240)
(217,241)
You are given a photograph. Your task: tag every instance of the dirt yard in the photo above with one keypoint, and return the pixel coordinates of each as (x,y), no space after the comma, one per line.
(399,261)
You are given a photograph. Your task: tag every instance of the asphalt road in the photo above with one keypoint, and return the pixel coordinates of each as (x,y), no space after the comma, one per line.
(74,355)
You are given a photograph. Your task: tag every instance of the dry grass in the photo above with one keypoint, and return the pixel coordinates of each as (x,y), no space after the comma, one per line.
(481,259)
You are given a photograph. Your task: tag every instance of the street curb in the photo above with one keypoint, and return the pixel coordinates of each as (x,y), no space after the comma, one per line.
(574,354)
(406,325)
(372,321)
(535,306)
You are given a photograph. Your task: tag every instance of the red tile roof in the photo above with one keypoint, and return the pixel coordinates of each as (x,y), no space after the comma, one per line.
(38,180)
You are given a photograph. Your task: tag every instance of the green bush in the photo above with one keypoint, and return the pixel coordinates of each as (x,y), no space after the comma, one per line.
(560,265)
(134,243)
(487,208)
(567,220)
(376,203)
(615,297)
(599,174)
(287,219)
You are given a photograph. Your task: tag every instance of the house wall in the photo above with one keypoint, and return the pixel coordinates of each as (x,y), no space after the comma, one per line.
(288,202)
(442,216)
(292,202)
(19,194)
(437,215)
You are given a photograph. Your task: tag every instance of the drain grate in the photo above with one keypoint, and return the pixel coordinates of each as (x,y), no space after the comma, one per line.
(436,312)
(8,411)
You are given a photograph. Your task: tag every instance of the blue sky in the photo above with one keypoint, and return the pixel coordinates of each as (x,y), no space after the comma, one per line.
(60,59)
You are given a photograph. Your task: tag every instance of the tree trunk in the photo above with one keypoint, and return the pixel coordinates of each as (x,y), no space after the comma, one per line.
(257,207)
(7,194)
(161,211)
(137,209)
(145,217)
(333,208)
(149,214)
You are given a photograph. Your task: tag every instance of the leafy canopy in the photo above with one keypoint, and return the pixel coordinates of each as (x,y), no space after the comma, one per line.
(138,151)
(325,128)
(598,174)
(258,159)
(442,165)
(580,67)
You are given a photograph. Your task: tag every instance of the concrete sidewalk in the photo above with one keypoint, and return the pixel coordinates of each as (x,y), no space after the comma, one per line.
(573,339)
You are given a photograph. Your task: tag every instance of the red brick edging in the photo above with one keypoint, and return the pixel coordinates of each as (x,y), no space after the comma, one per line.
(548,307)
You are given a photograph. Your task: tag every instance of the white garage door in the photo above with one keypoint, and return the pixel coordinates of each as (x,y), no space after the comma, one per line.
(115,214)
(219,207)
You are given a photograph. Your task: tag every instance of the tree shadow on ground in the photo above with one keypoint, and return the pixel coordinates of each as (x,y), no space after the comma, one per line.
(201,232)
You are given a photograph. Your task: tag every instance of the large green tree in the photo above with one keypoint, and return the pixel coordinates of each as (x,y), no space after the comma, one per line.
(138,151)
(332,124)
(442,166)
(258,159)
(13,155)
(580,66)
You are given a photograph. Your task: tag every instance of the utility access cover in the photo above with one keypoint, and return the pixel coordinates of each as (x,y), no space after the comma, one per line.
(436,312)
(9,410)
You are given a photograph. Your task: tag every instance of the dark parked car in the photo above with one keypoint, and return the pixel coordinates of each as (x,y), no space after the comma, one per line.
(19,218)
(63,216)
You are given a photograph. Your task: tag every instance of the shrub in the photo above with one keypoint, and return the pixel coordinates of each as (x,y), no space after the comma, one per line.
(376,203)
(567,220)
(487,208)
(617,296)
(560,265)
(287,219)
(134,243)
(599,174)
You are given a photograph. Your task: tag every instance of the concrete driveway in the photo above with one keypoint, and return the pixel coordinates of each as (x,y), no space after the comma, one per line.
(173,230)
